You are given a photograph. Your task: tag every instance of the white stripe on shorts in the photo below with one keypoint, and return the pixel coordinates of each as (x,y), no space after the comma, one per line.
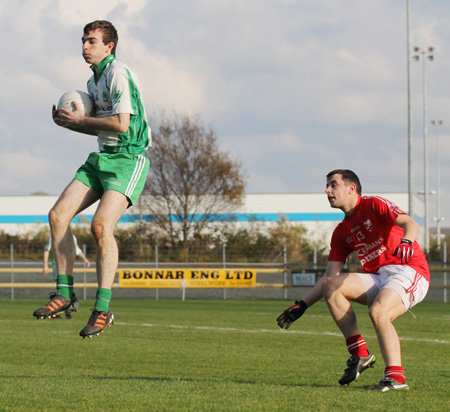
(135,176)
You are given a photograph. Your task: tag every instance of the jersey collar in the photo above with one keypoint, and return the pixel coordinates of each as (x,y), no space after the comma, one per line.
(102,65)
(351,212)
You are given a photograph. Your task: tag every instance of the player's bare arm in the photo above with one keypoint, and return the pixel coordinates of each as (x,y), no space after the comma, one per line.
(77,121)
(405,250)
(292,313)
(45,266)
(59,120)
(409,225)
(118,123)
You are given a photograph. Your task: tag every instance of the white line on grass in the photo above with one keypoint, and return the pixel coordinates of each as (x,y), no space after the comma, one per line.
(298,332)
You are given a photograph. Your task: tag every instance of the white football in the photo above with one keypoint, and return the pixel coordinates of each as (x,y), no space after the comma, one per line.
(82,98)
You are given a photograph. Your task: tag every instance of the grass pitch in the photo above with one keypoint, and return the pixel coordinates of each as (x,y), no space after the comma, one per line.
(166,355)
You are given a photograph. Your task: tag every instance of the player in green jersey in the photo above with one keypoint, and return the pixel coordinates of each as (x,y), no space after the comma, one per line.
(114,176)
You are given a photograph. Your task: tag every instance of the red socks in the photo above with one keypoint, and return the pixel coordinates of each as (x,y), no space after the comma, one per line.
(356,346)
(395,372)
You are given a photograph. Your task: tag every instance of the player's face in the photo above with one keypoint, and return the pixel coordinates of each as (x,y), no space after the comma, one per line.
(338,192)
(94,50)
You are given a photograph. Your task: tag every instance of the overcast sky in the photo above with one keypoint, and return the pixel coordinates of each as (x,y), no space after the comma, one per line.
(292,89)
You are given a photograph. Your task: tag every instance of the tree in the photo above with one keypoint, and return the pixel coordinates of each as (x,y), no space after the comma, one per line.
(191,183)
(39,193)
(294,236)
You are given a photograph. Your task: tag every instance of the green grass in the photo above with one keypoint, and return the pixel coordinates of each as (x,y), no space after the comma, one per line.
(167,355)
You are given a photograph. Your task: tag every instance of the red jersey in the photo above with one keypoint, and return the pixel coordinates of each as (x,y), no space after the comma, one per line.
(371,232)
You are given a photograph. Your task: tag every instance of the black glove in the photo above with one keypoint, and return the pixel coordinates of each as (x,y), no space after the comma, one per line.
(405,251)
(291,314)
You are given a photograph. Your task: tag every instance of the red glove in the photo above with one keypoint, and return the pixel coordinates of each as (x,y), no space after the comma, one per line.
(405,251)
(291,314)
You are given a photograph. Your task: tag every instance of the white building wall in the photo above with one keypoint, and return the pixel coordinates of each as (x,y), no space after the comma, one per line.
(22,214)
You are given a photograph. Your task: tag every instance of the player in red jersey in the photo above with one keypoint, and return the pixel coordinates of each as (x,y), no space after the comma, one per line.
(394,276)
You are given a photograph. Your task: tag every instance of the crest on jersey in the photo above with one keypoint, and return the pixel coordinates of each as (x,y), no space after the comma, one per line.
(368,225)
(117,96)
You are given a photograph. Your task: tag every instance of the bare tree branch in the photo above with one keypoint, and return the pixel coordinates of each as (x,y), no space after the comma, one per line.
(191,182)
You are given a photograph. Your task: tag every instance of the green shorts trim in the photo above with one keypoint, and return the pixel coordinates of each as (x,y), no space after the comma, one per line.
(123,172)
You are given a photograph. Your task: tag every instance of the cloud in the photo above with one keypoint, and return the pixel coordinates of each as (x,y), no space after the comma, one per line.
(15,168)
(291,88)
(168,84)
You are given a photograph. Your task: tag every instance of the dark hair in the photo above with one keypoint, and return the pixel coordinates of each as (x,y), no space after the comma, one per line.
(108,30)
(348,177)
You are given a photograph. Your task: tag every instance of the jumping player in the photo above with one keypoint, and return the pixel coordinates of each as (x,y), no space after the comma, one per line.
(115,175)
(394,276)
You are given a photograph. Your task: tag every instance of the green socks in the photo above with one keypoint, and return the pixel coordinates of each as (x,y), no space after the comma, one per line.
(64,285)
(103,297)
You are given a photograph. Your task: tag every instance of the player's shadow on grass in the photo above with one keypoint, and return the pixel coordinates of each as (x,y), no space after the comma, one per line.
(240,382)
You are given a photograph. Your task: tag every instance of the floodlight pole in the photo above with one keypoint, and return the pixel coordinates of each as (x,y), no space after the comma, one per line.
(438,217)
(426,54)
(410,126)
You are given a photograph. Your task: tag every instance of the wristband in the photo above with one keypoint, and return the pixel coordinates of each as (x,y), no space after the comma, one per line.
(409,242)
(302,304)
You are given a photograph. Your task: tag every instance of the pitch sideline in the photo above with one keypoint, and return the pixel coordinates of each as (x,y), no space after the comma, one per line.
(298,332)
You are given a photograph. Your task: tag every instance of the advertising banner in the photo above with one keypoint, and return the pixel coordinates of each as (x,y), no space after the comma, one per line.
(303,279)
(188,278)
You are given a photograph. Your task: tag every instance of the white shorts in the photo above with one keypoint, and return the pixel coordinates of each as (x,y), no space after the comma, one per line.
(409,284)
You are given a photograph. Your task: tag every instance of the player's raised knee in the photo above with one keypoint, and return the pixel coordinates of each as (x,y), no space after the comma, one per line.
(56,217)
(330,285)
(98,229)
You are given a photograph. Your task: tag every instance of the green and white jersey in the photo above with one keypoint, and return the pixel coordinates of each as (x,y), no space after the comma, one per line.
(117,90)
